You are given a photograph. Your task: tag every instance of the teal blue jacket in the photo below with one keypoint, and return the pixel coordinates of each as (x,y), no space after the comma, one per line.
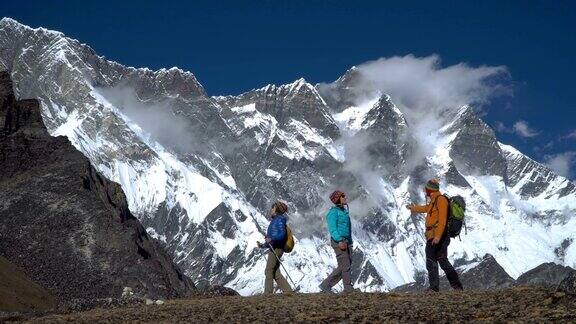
(339,224)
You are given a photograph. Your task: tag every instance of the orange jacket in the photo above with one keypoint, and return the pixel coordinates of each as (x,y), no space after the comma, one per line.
(436,217)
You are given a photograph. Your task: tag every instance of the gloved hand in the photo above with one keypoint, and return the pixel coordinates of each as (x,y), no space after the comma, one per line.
(343,245)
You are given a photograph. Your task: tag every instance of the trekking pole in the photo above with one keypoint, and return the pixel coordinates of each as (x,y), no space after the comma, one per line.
(297,288)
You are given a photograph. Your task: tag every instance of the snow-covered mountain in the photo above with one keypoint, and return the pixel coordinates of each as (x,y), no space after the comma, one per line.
(200,171)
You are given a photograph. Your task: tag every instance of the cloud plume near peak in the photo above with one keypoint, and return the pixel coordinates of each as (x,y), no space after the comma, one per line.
(522,129)
(427,94)
(156,118)
(562,163)
(422,83)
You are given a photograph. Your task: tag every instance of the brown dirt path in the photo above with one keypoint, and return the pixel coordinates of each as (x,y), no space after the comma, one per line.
(521,304)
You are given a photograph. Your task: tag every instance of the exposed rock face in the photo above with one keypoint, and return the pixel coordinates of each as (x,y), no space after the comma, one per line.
(546,274)
(476,149)
(488,274)
(568,284)
(68,227)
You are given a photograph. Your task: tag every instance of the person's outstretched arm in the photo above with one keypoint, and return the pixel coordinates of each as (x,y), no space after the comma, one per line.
(419,208)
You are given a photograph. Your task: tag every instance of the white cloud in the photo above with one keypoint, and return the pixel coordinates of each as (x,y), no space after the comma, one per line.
(571,135)
(562,163)
(501,127)
(159,119)
(522,129)
(422,83)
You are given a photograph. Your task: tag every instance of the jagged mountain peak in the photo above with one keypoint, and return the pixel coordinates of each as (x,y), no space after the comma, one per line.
(377,112)
(349,77)
(11,23)
(59,49)
(345,92)
(296,85)
(293,102)
(454,119)
(528,177)
(289,89)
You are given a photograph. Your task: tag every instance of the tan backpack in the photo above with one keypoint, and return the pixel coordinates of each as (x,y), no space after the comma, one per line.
(289,245)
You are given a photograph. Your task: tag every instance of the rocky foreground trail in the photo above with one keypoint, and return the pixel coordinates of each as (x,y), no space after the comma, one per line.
(519,304)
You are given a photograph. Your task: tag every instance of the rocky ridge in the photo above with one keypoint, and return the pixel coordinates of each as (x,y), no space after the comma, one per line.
(63,223)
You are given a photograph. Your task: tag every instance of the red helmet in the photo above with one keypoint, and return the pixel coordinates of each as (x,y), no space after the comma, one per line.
(335,196)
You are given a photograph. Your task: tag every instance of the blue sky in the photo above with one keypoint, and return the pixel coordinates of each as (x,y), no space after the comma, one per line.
(234,46)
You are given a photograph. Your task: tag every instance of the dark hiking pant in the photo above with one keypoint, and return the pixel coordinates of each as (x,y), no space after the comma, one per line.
(342,271)
(273,273)
(438,254)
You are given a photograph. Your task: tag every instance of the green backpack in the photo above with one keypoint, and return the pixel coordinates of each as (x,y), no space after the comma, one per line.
(456,214)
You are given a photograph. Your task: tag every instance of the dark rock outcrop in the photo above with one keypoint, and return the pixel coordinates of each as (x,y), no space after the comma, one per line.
(546,274)
(67,226)
(215,291)
(568,284)
(487,274)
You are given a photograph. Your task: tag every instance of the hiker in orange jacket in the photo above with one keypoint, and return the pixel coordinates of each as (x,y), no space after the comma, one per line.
(437,240)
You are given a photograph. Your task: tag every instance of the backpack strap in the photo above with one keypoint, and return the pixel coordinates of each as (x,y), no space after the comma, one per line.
(435,203)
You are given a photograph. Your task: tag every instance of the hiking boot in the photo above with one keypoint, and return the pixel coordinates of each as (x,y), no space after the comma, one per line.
(432,290)
(325,290)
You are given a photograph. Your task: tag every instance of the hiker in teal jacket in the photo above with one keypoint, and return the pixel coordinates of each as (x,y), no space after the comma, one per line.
(340,229)
(339,226)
